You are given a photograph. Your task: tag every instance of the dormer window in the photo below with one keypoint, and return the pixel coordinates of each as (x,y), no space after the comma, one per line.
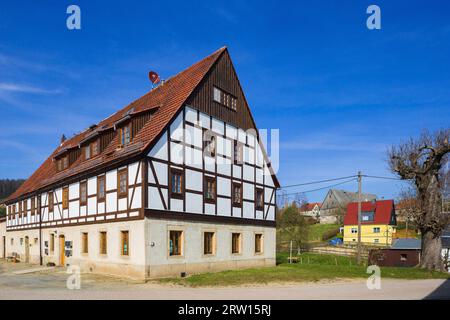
(90,150)
(124,135)
(87,152)
(65,162)
(94,148)
(62,163)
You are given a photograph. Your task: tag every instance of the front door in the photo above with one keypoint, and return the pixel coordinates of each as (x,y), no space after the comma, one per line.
(62,253)
(27,250)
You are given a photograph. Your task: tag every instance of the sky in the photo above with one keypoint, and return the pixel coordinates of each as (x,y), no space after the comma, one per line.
(339,93)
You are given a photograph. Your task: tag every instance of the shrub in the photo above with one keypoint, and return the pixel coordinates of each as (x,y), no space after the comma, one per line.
(330,234)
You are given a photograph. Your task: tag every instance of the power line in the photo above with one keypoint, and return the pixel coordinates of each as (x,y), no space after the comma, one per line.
(387,178)
(322,188)
(316,182)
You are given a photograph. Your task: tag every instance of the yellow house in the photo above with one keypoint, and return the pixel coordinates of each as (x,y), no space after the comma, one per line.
(378,223)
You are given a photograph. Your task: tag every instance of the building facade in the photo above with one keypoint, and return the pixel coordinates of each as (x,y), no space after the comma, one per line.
(176,182)
(378,223)
(334,205)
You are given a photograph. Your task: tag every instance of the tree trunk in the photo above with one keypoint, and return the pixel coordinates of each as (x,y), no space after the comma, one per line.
(431,258)
(431,225)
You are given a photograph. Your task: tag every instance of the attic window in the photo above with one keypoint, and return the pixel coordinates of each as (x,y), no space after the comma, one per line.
(91,150)
(124,135)
(62,163)
(367,216)
(224,98)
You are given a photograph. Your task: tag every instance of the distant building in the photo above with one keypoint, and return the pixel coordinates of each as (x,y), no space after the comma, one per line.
(335,203)
(310,209)
(378,223)
(403,253)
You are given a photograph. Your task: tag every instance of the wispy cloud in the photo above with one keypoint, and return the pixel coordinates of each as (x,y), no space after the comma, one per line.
(23,88)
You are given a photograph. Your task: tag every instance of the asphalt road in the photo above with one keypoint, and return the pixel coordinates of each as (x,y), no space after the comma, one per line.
(17,283)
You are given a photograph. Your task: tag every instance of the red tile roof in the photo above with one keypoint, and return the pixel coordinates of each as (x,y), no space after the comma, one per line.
(166,99)
(383,212)
(310,206)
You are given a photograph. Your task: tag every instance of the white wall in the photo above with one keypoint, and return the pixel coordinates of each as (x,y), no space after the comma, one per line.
(185,152)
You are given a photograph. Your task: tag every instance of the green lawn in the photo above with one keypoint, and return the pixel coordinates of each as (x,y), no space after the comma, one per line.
(314,267)
(316,231)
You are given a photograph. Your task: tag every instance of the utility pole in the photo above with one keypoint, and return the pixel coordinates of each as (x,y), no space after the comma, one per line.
(358,257)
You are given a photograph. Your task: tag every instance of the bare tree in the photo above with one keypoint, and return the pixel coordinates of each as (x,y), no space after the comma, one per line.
(421,162)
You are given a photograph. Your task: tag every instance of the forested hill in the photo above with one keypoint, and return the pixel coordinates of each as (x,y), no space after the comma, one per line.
(8,186)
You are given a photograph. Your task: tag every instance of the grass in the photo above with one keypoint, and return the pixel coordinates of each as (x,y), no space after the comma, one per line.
(314,267)
(316,231)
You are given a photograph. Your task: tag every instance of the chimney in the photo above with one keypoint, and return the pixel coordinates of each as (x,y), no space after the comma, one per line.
(63,138)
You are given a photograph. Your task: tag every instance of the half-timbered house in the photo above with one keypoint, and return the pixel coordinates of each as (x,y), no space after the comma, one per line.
(176,182)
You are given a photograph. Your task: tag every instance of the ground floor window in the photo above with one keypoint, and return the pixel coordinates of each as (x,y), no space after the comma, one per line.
(354,230)
(125,243)
(403,257)
(376,240)
(103,242)
(258,243)
(52,243)
(235,243)
(376,230)
(84,242)
(175,243)
(208,243)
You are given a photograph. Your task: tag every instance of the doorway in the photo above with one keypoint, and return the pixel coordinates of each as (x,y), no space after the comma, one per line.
(62,253)
(27,249)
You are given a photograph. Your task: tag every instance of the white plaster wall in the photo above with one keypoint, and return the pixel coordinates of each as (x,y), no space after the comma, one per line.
(158,234)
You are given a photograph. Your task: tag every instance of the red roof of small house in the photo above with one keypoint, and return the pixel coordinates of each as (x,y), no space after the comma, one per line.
(309,206)
(164,100)
(383,212)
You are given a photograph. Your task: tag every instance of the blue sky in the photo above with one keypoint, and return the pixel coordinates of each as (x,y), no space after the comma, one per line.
(339,93)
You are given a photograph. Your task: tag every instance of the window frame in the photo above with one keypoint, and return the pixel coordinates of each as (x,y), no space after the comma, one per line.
(208,140)
(101,198)
(103,243)
(122,130)
(211,242)
(83,202)
(235,203)
(376,230)
(239,244)
(122,194)
(84,242)
(65,198)
(33,205)
(125,252)
(65,162)
(87,152)
(170,252)
(259,242)
(259,206)
(51,245)
(238,157)
(226,99)
(92,149)
(177,172)
(50,201)
(205,189)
